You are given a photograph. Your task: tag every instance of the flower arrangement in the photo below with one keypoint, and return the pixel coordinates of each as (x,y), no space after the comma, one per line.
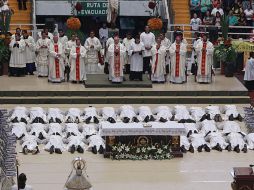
(73,23)
(147,152)
(78,6)
(155,23)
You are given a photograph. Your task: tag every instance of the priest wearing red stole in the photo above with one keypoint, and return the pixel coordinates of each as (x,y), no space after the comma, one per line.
(204,50)
(56,62)
(116,54)
(77,63)
(158,62)
(177,53)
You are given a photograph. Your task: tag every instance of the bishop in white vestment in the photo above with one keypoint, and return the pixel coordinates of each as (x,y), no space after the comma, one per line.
(56,62)
(177,52)
(77,63)
(158,62)
(42,47)
(136,59)
(93,47)
(204,50)
(17,61)
(29,53)
(116,54)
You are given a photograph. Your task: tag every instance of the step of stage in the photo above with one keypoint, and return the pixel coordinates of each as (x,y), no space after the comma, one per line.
(126,100)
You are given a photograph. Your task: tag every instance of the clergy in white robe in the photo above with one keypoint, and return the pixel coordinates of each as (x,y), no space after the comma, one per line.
(127,42)
(250,140)
(116,54)
(56,61)
(108,114)
(148,39)
(55,144)
(158,62)
(249,72)
(77,63)
(90,115)
(17,61)
(73,116)
(163,113)
(30,144)
(135,52)
(178,52)
(166,43)
(63,39)
(47,33)
(232,113)
(198,142)
(42,47)
(145,114)
(55,115)
(19,114)
(29,53)
(18,129)
(75,143)
(236,141)
(127,114)
(204,50)
(216,141)
(103,34)
(69,44)
(93,47)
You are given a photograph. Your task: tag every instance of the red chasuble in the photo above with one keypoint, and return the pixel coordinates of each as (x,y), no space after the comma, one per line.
(177,60)
(117,61)
(57,62)
(77,64)
(203,59)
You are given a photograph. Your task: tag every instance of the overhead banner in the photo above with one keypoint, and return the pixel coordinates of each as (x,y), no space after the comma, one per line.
(93,8)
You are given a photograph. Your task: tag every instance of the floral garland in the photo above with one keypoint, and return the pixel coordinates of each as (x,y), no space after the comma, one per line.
(148,152)
(73,23)
(155,23)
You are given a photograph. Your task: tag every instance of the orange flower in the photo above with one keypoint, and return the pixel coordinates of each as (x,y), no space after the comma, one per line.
(73,23)
(155,23)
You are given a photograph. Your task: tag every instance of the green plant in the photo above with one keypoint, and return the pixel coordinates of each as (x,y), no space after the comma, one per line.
(5,21)
(4,52)
(225,53)
(224,26)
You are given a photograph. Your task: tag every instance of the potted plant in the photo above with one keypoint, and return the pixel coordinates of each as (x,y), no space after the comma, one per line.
(4,56)
(224,52)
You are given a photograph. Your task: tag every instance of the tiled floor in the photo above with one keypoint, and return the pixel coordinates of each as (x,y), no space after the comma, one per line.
(33,83)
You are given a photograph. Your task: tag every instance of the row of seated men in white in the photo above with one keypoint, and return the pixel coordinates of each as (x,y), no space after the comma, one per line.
(209,128)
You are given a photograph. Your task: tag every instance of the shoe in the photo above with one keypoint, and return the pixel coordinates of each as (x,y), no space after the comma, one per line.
(72,149)
(207,149)
(135,119)
(229,147)
(216,118)
(239,118)
(183,149)
(35,151)
(200,148)
(146,119)
(208,116)
(172,118)
(88,120)
(15,120)
(126,120)
(191,149)
(231,117)
(58,120)
(189,134)
(68,134)
(23,120)
(25,150)
(244,148)
(41,121)
(163,120)
(58,151)
(220,118)
(237,149)
(112,120)
(69,120)
(21,136)
(51,120)
(41,137)
(94,150)
(51,150)
(101,150)
(76,120)
(152,118)
(181,121)
(95,120)
(80,149)
(203,118)
(190,121)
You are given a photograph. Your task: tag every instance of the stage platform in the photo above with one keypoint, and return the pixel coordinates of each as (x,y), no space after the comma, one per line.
(101,81)
(33,90)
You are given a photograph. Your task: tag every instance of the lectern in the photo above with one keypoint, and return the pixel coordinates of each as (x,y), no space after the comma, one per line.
(243,178)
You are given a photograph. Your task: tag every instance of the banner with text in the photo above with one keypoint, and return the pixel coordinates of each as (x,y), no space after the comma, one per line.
(93,8)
